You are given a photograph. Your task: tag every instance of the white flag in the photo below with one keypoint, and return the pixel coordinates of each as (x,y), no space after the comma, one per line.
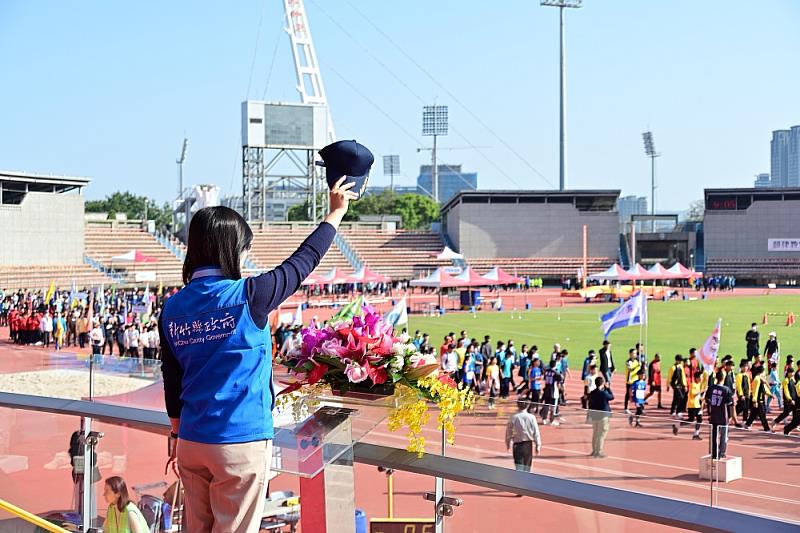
(708,353)
(398,315)
(298,316)
(632,312)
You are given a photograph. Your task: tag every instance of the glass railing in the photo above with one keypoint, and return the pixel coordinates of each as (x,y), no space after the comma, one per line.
(36,469)
(659,456)
(650,458)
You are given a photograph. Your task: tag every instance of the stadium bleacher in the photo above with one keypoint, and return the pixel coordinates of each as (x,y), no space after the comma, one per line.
(400,254)
(754,267)
(274,243)
(108,239)
(33,277)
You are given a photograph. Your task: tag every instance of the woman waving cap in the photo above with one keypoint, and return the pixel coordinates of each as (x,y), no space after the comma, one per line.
(217,364)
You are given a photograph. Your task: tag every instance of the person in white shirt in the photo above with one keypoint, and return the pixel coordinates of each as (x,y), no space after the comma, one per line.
(97,338)
(132,340)
(522,431)
(291,342)
(46,327)
(144,341)
(449,361)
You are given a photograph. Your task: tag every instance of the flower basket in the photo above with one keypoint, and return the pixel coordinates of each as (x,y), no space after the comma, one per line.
(364,391)
(362,358)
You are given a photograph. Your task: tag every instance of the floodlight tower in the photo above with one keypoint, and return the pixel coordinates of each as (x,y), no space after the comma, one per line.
(180,161)
(434,123)
(650,151)
(562,158)
(391,166)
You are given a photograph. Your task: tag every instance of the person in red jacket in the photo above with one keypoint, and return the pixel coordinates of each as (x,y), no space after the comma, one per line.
(31,328)
(12,324)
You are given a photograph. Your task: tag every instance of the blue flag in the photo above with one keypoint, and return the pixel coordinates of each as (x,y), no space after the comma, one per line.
(632,312)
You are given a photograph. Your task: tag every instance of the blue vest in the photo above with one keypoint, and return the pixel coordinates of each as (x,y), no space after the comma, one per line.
(227,390)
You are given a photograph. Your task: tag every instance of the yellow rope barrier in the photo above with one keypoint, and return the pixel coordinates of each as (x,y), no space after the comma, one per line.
(32,518)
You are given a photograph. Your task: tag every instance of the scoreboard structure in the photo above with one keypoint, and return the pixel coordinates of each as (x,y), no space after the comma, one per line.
(279,144)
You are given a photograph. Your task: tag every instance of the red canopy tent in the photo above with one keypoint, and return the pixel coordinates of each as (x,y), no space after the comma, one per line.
(614,273)
(470,278)
(500,277)
(681,272)
(334,277)
(367,275)
(658,271)
(133,256)
(438,279)
(639,273)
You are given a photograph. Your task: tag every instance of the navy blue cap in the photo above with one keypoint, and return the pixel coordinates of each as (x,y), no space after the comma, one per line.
(347,158)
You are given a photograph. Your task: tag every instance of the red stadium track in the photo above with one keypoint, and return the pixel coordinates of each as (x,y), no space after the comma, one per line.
(649,460)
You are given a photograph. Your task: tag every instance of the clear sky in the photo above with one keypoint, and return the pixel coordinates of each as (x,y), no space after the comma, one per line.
(108,89)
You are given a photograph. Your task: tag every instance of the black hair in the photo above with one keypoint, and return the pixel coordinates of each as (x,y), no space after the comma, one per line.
(217,237)
(598,381)
(720,376)
(757,370)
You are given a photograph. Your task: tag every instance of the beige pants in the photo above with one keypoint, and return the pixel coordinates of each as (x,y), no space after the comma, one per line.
(599,432)
(224,485)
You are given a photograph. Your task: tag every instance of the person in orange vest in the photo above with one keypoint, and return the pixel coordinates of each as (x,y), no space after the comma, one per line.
(691,366)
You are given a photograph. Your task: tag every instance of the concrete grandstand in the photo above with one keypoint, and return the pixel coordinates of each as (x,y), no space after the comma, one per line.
(537,233)
(752,233)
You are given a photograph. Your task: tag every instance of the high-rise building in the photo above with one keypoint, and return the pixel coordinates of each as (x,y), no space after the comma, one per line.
(762,181)
(451,181)
(779,158)
(793,156)
(628,206)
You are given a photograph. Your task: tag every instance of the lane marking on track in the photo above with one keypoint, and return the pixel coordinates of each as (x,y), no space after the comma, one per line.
(580,453)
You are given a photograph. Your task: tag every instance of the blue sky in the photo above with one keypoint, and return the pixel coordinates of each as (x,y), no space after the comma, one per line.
(108,89)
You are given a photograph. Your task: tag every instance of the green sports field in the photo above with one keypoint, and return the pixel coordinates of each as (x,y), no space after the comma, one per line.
(673,327)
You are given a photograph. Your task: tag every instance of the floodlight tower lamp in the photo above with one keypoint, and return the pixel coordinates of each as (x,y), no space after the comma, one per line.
(562,156)
(434,123)
(650,151)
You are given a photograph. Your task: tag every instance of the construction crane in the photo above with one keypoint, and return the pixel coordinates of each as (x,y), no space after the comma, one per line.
(306,66)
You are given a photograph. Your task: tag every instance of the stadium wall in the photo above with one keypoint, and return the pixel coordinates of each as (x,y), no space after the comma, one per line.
(45,229)
(504,229)
(733,234)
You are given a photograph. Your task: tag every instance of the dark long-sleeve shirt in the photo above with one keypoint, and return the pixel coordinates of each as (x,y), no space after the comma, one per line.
(265,293)
(599,398)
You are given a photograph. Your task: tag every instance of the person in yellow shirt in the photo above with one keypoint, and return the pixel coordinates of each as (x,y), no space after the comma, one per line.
(694,402)
(760,392)
(743,387)
(632,366)
(789,390)
(796,414)
(677,380)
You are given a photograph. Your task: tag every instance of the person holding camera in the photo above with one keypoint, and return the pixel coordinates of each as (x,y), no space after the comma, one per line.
(599,414)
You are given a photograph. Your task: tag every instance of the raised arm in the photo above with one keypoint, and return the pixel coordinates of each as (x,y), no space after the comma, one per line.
(267,291)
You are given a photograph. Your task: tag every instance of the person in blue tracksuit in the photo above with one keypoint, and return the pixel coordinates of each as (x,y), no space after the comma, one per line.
(217,364)
(638,396)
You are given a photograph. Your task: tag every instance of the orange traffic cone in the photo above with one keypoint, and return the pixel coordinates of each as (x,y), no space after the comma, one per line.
(765,320)
(790,320)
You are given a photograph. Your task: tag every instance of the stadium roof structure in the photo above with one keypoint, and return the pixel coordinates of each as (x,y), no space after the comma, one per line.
(15,185)
(583,200)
